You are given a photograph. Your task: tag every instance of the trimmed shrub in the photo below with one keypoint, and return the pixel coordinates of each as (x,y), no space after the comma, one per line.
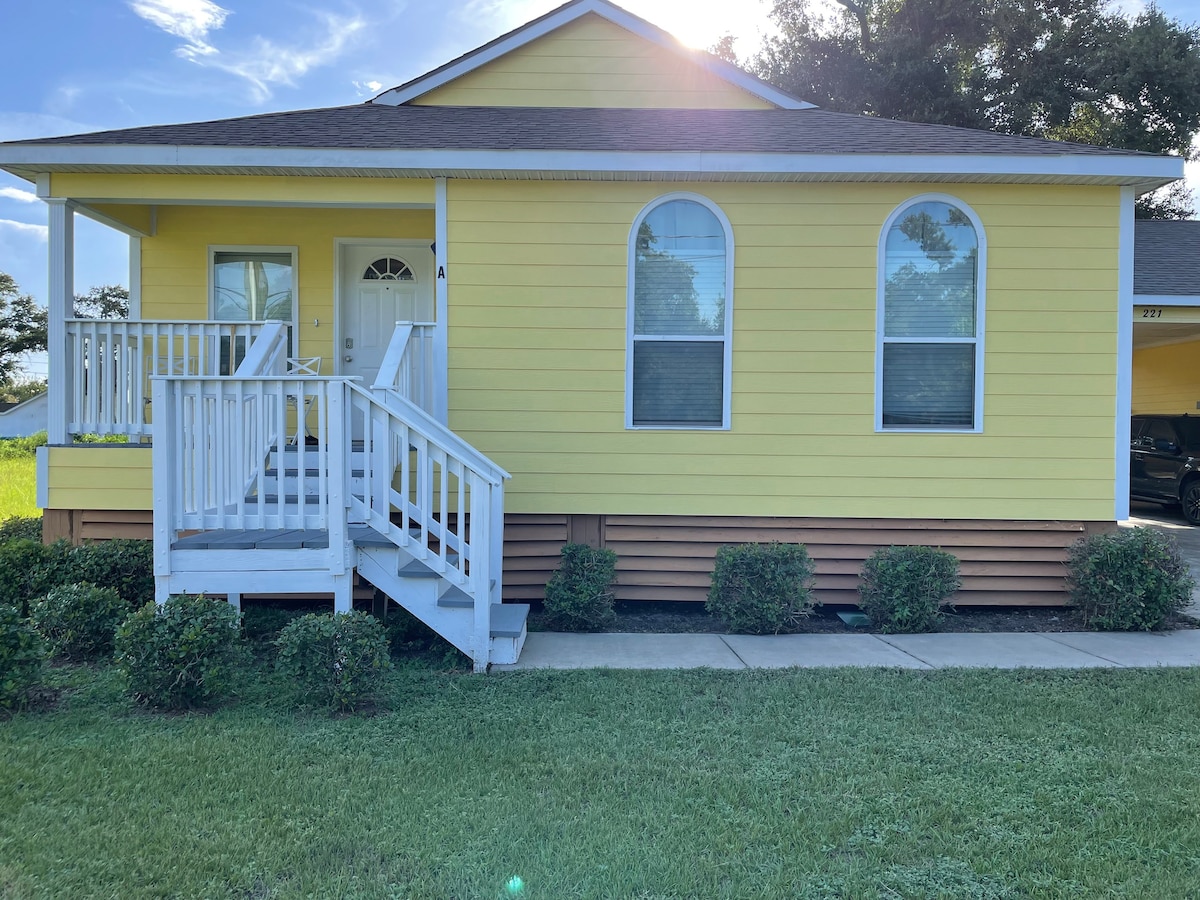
(1130,580)
(335,659)
(180,655)
(21,654)
(21,528)
(761,588)
(28,569)
(903,589)
(578,595)
(79,621)
(123,565)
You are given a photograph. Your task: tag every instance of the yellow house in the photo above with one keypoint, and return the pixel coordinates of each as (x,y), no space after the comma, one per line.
(586,284)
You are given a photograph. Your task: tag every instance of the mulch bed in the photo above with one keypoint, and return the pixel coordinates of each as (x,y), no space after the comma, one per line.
(677,618)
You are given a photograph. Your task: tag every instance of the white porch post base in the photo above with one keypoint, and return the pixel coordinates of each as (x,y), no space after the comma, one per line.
(235,600)
(162,589)
(343,593)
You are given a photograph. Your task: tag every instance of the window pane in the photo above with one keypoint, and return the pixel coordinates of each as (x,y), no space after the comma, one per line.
(678,383)
(930,272)
(929,385)
(252,286)
(679,271)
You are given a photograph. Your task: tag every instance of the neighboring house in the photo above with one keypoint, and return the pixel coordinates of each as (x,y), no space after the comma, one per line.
(24,418)
(680,307)
(1166,330)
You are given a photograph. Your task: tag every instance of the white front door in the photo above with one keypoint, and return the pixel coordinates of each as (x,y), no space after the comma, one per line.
(382,284)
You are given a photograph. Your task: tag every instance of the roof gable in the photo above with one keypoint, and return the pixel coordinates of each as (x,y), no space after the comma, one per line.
(590,53)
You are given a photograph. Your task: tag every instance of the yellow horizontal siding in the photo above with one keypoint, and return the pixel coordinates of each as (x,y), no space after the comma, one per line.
(175,260)
(99,477)
(592,62)
(537,357)
(1165,379)
(241,188)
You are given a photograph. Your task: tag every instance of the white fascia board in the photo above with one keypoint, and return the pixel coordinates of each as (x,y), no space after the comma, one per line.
(398,96)
(1119,169)
(1166,299)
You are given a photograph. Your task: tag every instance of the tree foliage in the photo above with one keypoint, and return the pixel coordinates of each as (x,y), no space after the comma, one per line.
(1075,70)
(24,324)
(22,327)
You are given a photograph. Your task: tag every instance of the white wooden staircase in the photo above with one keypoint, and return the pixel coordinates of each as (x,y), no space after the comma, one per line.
(271,482)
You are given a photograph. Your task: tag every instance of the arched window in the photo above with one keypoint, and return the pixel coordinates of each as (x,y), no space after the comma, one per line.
(680,313)
(929,353)
(388,269)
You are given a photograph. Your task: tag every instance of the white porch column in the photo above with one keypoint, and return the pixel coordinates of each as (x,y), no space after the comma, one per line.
(441,354)
(61,303)
(135,277)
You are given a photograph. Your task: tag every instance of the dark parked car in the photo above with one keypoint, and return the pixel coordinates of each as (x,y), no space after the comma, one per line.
(1164,462)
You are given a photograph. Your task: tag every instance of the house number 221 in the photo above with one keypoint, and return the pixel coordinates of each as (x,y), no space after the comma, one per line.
(1151,313)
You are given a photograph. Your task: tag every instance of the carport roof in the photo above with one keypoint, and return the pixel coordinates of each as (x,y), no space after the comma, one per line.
(1166,258)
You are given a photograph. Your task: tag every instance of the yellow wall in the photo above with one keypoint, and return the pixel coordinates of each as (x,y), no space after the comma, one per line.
(175,261)
(537,356)
(97,476)
(210,189)
(1165,379)
(592,62)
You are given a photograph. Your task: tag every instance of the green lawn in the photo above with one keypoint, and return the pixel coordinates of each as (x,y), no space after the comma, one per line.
(18,487)
(817,784)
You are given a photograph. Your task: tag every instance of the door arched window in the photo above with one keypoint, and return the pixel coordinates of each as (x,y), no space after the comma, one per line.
(929,353)
(680,315)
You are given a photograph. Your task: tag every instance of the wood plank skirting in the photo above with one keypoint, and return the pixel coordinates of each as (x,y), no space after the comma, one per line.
(671,557)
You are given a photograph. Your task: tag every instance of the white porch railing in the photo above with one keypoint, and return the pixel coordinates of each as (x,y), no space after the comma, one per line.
(109,364)
(219,445)
(407,366)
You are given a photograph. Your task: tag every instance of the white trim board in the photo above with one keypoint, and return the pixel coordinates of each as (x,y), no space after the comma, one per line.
(571,12)
(1124,380)
(1142,172)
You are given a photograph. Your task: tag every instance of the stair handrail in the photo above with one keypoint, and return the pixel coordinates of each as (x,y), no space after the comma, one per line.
(439,434)
(407,365)
(267,354)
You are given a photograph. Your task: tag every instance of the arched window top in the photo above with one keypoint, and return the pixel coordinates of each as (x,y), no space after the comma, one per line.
(388,268)
(680,286)
(930,319)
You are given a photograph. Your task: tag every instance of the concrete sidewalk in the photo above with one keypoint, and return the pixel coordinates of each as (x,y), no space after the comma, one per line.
(1036,650)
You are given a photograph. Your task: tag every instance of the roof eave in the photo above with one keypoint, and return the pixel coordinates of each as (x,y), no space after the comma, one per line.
(1141,172)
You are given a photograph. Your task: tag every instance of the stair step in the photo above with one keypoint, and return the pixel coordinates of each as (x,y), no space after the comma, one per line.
(366,536)
(418,569)
(508,619)
(254,539)
(294,472)
(456,598)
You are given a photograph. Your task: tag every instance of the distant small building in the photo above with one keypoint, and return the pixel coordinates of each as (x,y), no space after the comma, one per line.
(25,418)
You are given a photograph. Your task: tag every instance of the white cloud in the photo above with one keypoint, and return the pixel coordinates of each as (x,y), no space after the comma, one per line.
(266,63)
(191,20)
(11,193)
(42,232)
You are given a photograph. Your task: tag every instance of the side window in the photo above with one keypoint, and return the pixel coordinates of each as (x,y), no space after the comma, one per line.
(251,284)
(1157,434)
(680,315)
(929,331)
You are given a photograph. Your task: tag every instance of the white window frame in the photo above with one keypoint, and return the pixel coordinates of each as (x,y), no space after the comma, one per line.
(980,317)
(214,249)
(726,336)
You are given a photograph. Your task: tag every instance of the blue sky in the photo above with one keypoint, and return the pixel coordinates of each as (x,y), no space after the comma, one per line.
(85,65)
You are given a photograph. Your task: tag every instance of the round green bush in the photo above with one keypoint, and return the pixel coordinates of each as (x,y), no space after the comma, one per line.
(761,588)
(181,655)
(22,652)
(336,660)
(79,621)
(123,565)
(21,528)
(1130,580)
(903,589)
(579,594)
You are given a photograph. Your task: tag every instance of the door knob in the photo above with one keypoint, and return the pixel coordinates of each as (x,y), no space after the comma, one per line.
(348,358)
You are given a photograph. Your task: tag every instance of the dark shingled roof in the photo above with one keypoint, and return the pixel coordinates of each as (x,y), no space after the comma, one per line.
(379,126)
(1166,258)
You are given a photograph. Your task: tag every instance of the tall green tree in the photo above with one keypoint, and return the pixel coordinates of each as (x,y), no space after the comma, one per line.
(22,327)
(1075,70)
